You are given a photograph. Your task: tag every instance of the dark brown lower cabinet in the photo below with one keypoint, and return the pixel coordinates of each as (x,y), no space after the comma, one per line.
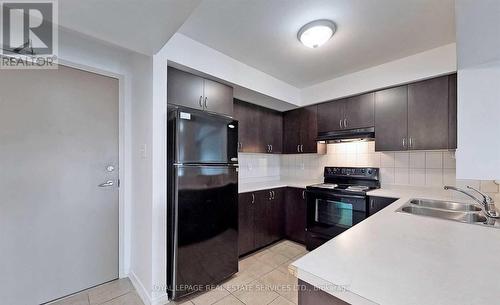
(261,219)
(376,204)
(246,211)
(295,214)
(310,295)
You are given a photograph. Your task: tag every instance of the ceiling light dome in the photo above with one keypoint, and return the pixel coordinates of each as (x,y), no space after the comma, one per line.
(316,33)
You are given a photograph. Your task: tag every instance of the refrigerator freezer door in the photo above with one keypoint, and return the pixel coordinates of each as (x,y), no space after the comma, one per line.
(205,233)
(205,138)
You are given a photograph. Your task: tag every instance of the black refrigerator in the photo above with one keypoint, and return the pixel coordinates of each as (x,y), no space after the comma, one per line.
(202,200)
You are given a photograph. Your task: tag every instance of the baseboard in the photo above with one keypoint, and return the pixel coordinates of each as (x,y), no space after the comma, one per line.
(141,291)
(161,299)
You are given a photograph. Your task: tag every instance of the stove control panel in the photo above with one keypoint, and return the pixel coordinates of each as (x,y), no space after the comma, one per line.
(351,171)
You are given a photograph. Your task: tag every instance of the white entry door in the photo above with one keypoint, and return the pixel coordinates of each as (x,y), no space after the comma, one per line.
(58,143)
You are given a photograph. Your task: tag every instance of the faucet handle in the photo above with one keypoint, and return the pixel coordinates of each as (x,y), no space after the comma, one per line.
(486,197)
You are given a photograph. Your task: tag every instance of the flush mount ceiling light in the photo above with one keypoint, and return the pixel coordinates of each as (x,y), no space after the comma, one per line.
(316,33)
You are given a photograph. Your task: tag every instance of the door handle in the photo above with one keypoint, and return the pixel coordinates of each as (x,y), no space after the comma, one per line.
(345,123)
(273,195)
(271,147)
(298,148)
(303,194)
(201,105)
(206,103)
(253,198)
(270,195)
(410,144)
(404,142)
(372,204)
(301,148)
(340,123)
(107,183)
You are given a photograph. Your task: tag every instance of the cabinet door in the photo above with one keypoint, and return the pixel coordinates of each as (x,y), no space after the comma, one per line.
(452,112)
(274,130)
(391,119)
(360,111)
(246,242)
(218,97)
(262,223)
(277,214)
(295,214)
(291,131)
(308,129)
(184,89)
(428,114)
(378,203)
(248,122)
(331,116)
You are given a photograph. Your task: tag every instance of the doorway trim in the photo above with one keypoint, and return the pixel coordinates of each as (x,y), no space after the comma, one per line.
(124,136)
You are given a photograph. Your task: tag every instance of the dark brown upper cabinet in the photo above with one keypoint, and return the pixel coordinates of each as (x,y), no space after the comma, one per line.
(360,111)
(260,129)
(428,114)
(391,119)
(418,116)
(186,89)
(348,113)
(331,116)
(300,129)
(452,112)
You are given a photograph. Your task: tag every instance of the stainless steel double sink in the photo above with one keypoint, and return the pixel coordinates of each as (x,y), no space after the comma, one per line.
(448,210)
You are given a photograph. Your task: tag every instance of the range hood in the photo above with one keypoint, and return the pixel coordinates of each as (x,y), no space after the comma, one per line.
(348,135)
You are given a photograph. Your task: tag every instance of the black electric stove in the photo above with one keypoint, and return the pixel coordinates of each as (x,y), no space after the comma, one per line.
(339,203)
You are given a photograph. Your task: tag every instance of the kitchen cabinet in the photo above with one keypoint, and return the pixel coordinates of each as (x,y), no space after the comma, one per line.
(300,129)
(295,214)
(260,128)
(418,116)
(331,116)
(189,90)
(376,204)
(349,113)
(428,114)
(391,119)
(452,112)
(261,219)
(246,210)
(248,117)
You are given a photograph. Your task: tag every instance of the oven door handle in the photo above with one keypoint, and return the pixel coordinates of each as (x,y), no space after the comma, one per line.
(339,196)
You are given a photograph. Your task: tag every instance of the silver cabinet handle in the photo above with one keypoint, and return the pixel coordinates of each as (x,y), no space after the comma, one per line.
(404,142)
(273,194)
(206,103)
(340,123)
(304,194)
(410,142)
(301,148)
(345,123)
(107,183)
(201,105)
(253,198)
(270,195)
(298,148)
(271,147)
(372,204)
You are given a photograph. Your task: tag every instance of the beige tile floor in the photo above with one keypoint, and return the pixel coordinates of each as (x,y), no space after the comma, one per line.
(263,278)
(119,292)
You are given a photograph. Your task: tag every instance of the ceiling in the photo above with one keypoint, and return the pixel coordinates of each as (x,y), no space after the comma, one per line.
(142,26)
(262,33)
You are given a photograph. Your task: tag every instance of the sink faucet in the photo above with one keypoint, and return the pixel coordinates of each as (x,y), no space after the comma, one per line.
(487,202)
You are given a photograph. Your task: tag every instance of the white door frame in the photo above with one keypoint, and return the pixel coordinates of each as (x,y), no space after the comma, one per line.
(123,165)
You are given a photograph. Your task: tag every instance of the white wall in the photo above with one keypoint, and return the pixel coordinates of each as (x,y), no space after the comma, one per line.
(431,63)
(478,43)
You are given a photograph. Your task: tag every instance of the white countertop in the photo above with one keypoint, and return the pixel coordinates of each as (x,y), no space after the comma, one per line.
(397,258)
(258,186)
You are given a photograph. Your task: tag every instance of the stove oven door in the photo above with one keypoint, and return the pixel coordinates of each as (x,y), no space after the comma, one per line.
(329,214)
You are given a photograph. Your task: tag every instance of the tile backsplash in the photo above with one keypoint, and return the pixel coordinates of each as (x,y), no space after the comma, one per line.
(415,168)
